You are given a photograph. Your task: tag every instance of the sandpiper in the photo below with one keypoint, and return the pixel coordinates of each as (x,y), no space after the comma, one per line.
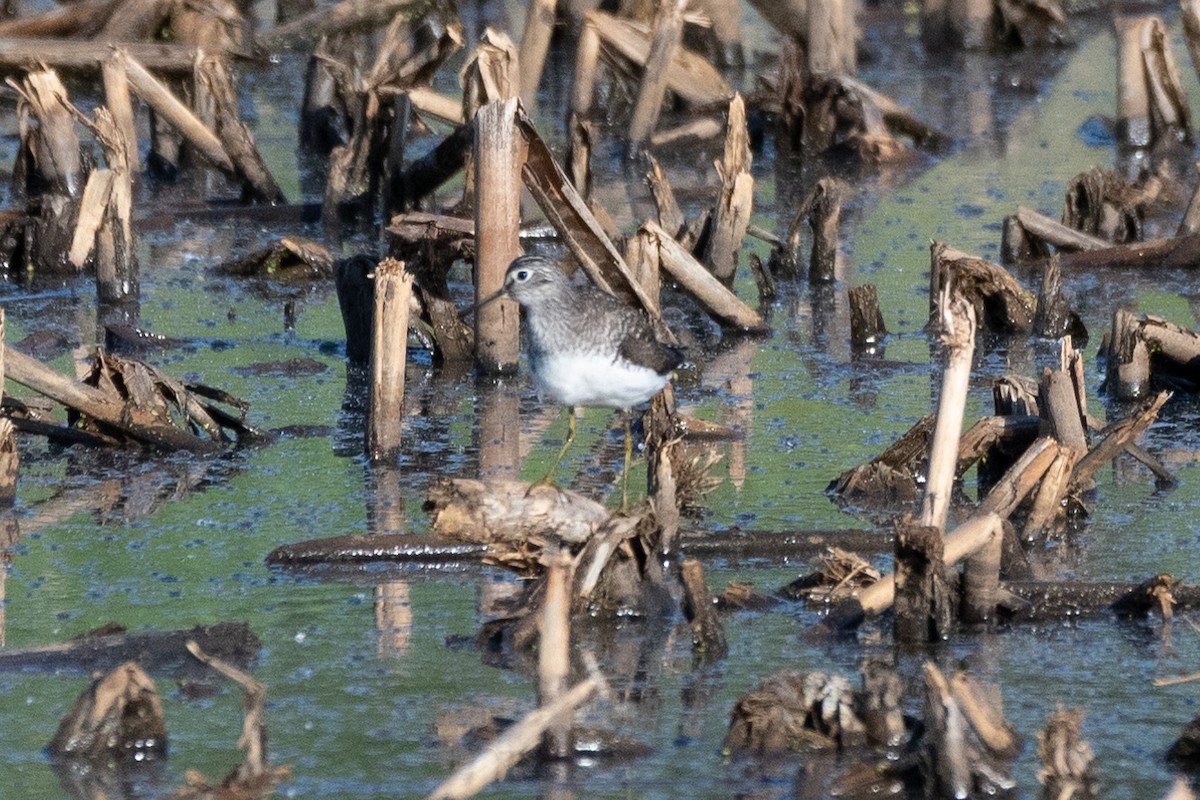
(586,347)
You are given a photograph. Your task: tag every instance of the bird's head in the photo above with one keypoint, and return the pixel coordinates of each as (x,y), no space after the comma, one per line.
(533,278)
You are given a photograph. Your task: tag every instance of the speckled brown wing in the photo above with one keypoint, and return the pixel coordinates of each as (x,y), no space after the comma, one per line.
(641,347)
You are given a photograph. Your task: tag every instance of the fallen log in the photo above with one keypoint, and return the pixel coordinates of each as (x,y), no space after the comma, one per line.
(155,651)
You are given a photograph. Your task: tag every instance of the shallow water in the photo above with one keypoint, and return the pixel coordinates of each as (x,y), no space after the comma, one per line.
(359,671)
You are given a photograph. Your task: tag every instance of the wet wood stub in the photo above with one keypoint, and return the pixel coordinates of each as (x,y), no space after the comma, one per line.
(118,716)
(708,634)
(923,611)
(867,328)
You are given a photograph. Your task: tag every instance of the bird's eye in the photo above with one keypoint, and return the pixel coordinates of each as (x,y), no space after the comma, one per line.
(522,275)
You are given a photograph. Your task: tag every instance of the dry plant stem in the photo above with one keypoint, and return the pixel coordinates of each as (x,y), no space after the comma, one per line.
(89,56)
(1189,14)
(981,582)
(1021,478)
(92,209)
(689,76)
(708,635)
(670,217)
(212,74)
(347,15)
(94,403)
(963,541)
(1133,102)
(1060,408)
(535,42)
(1170,109)
(511,511)
(736,200)
(554,656)
(1191,218)
(167,106)
(570,215)
(389,354)
(831,38)
(116,97)
(254,734)
(1055,233)
(587,62)
(1182,252)
(1047,504)
(700,283)
(519,739)
(668,30)
(824,219)
(427,101)
(1120,434)
(958,337)
(498,158)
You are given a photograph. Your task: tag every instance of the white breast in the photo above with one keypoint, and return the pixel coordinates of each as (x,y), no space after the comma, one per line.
(586,379)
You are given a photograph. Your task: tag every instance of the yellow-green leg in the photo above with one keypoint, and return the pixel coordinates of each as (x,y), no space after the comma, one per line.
(548,480)
(628,455)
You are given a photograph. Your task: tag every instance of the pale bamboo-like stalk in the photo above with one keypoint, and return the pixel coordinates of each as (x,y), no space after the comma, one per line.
(668,31)
(164,103)
(116,97)
(958,335)
(389,354)
(517,740)
(498,158)
(587,60)
(535,43)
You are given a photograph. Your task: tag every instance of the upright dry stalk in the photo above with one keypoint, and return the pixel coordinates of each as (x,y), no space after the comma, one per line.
(668,30)
(1133,101)
(535,42)
(498,158)
(389,353)
(736,201)
(1189,15)
(831,37)
(971,21)
(554,649)
(587,60)
(958,337)
(116,98)
(9,457)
